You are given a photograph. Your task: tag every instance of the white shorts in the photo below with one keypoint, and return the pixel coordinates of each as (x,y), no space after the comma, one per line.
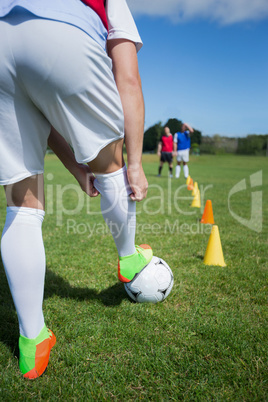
(183,155)
(52,73)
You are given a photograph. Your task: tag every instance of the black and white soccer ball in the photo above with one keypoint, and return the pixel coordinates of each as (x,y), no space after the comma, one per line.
(153,284)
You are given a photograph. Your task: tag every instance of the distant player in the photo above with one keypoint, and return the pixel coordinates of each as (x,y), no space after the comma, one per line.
(165,148)
(182,144)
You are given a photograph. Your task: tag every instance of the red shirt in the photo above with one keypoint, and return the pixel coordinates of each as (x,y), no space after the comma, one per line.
(167,143)
(98,7)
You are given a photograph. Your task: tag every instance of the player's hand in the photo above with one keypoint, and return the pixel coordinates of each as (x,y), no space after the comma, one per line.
(86,180)
(137,182)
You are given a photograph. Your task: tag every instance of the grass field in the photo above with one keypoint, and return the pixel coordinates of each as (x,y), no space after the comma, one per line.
(207,341)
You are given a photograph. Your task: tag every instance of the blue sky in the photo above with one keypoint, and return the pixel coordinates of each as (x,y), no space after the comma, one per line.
(210,70)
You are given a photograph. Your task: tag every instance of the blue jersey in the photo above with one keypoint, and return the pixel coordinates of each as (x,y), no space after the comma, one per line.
(72,12)
(182,140)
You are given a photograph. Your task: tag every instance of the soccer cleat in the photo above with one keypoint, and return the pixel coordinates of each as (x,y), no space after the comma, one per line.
(132,264)
(34,353)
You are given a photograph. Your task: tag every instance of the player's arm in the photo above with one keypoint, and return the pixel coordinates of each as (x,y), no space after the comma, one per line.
(126,72)
(189,127)
(80,171)
(172,147)
(159,148)
(175,145)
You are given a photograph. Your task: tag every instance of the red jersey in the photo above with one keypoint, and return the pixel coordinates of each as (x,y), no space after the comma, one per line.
(98,7)
(167,143)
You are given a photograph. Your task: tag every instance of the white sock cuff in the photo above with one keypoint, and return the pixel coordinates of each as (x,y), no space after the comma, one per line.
(116,182)
(102,177)
(26,210)
(14,213)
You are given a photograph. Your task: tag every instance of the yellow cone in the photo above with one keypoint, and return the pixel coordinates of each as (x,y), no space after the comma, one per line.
(196,201)
(194,191)
(214,254)
(195,188)
(188,180)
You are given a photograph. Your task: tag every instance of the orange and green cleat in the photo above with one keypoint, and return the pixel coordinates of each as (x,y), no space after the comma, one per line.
(132,264)
(34,353)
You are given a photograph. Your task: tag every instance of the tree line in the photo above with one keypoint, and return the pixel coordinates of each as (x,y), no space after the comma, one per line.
(253,144)
(153,134)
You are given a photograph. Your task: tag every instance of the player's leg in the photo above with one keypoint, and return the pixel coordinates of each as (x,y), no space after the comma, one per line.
(118,210)
(27,193)
(23,257)
(185,161)
(185,170)
(23,140)
(178,168)
(170,164)
(160,167)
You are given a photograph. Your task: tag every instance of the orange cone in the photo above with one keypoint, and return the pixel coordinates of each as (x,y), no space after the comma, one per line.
(207,216)
(188,180)
(190,185)
(214,254)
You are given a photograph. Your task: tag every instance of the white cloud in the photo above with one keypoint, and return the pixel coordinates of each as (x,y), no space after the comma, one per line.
(223,11)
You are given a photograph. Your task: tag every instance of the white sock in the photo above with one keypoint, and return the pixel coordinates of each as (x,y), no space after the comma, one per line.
(178,171)
(23,257)
(185,171)
(118,210)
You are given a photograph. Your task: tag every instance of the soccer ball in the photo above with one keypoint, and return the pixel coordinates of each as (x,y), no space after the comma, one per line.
(153,284)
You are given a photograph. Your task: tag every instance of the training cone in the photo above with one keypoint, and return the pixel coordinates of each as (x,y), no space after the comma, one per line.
(190,185)
(207,216)
(188,180)
(195,188)
(196,201)
(214,254)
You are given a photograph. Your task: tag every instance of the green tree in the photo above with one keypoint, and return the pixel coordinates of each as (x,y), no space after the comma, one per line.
(252,145)
(153,134)
(196,137)
(152,137)
(174,125)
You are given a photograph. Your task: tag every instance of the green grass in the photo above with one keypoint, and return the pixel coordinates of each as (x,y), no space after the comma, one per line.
(207,341)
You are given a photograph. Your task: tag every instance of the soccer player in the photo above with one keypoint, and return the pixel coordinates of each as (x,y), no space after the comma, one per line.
(165,148)
(58,86)
(182,144)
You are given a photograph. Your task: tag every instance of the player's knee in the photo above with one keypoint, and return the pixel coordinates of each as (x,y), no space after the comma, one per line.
(26,193)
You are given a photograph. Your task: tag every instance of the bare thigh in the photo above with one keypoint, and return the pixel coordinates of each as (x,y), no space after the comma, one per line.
(109,159)
(26,193)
